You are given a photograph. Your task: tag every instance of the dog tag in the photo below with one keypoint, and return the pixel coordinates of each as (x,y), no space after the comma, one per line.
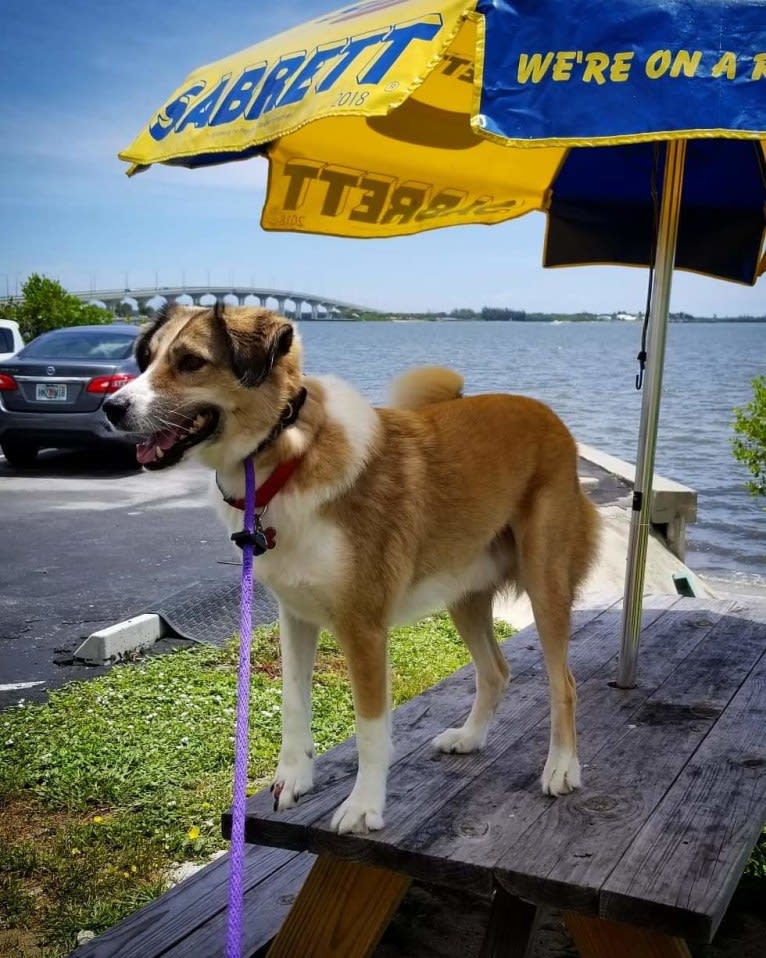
(265,538)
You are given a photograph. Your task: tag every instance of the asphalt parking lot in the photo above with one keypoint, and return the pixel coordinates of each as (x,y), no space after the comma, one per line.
(87,541)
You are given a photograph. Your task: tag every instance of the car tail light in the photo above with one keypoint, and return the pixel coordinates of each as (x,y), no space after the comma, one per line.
(7,383)
(108,384)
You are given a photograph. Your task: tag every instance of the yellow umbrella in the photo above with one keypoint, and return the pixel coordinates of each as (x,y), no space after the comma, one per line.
(395,151)
(639,128)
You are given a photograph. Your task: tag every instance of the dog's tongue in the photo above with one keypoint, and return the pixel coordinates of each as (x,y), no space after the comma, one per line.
(146,451)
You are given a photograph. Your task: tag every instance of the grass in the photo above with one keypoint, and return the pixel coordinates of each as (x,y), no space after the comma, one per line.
(112,781)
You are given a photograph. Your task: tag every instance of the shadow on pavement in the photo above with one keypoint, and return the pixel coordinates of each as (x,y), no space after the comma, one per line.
(88,463)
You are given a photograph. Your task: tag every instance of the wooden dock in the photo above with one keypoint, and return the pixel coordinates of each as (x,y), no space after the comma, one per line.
(645,856)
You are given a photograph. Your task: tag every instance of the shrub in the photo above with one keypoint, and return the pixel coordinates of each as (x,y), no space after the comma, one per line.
(749,444)
(46,305)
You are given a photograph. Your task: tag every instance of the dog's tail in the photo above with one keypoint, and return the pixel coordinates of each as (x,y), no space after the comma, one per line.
(425,385)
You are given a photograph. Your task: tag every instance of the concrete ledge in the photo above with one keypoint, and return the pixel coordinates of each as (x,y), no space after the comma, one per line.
(668,496)
(673,504)
(111,644)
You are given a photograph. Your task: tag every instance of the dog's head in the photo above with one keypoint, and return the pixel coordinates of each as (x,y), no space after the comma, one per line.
(211,379)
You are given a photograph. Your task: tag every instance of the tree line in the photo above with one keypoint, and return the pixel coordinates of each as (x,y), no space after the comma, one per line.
(44,305)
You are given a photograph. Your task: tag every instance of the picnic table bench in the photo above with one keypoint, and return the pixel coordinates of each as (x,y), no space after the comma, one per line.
(644,857)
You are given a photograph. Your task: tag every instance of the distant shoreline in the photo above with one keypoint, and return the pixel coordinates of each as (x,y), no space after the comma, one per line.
(555,318)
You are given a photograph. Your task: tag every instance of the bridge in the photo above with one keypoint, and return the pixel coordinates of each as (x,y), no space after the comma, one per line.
(287,302)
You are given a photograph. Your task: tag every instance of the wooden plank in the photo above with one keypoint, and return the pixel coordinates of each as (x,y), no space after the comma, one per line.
(424,780)
(511,927)
(598,938)
(568,853)
(414,724)
(342,910)
(683,867)
(178,914)
(483,824)
(266,907)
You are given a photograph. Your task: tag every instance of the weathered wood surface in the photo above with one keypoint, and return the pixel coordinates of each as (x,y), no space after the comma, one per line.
(341,911)
(693,848)
(480,819)
(190,919)
(634,746)
(421,776)
(422,779)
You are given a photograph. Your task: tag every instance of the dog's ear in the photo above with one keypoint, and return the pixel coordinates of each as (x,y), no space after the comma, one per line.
(253,352)
(141,349)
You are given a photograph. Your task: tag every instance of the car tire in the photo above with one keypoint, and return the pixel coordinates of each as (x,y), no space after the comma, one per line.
(131,462)
(125,456)
(19,453)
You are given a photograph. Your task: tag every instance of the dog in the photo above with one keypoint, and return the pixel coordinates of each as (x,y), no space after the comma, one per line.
(385,515)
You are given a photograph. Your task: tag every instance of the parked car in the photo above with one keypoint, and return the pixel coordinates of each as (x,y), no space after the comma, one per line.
(52,391)
(10,338)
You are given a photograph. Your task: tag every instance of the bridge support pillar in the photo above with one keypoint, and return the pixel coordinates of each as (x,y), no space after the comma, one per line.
(315,310)
(280,305)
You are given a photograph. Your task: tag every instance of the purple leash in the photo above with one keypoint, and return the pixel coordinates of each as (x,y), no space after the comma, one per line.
(237,854)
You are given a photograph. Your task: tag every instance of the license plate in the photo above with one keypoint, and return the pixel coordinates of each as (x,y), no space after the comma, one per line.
(51,392)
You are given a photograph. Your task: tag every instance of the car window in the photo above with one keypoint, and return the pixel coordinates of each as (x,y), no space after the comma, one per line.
(6,340)
(108,345)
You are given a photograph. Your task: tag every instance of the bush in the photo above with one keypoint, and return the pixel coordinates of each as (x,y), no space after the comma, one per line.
(750,443)
(46,305)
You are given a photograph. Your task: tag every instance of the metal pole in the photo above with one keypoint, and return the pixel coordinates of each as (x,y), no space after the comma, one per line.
(650,410)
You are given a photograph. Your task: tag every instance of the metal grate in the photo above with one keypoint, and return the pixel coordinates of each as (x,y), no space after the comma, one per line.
(209,612)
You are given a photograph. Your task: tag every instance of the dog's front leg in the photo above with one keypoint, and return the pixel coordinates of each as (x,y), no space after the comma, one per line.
(295,772)
(366,654)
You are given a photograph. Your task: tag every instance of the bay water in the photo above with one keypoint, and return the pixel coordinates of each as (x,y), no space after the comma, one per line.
(586,373)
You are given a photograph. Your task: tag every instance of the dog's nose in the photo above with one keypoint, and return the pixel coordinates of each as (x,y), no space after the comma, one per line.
(115,408)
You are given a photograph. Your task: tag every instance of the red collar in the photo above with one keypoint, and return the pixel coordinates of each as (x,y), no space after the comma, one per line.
(265,493)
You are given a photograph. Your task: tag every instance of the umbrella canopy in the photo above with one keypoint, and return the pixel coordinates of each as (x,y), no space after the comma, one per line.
(638,127)
(391,117)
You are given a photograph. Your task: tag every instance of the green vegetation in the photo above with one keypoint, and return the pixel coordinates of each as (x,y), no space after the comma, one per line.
(124,311)
(46,305)
(502,314)
(749,445)
(112,781)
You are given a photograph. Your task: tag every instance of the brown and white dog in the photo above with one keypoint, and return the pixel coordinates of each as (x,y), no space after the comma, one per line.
(388,515)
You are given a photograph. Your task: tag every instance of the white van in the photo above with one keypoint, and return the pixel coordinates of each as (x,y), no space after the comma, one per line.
(10,338)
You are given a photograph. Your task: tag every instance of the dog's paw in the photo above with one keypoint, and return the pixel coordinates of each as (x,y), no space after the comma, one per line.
(358,814)
(460,740)
(561,774)
(292,779)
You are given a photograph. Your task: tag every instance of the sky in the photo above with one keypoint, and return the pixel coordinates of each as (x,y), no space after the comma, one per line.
(81,78)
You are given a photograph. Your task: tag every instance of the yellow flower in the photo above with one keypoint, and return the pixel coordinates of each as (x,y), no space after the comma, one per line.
(133,869)
(98,819)
(75,851)
(193,833)
(125,875)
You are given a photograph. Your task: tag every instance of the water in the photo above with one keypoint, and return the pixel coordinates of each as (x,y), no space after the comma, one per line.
(586,372)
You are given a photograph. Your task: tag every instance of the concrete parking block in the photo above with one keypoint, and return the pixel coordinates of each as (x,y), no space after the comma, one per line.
(117,641)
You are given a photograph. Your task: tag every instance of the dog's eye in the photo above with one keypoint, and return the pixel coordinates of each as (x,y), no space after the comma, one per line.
(190,363)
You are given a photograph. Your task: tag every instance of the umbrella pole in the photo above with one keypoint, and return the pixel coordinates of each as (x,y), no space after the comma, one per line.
(650,409)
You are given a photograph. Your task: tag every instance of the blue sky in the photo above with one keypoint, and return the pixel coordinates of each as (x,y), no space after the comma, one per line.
(80,80)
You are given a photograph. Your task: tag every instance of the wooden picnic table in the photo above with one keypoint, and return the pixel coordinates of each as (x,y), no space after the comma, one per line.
(646,855)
